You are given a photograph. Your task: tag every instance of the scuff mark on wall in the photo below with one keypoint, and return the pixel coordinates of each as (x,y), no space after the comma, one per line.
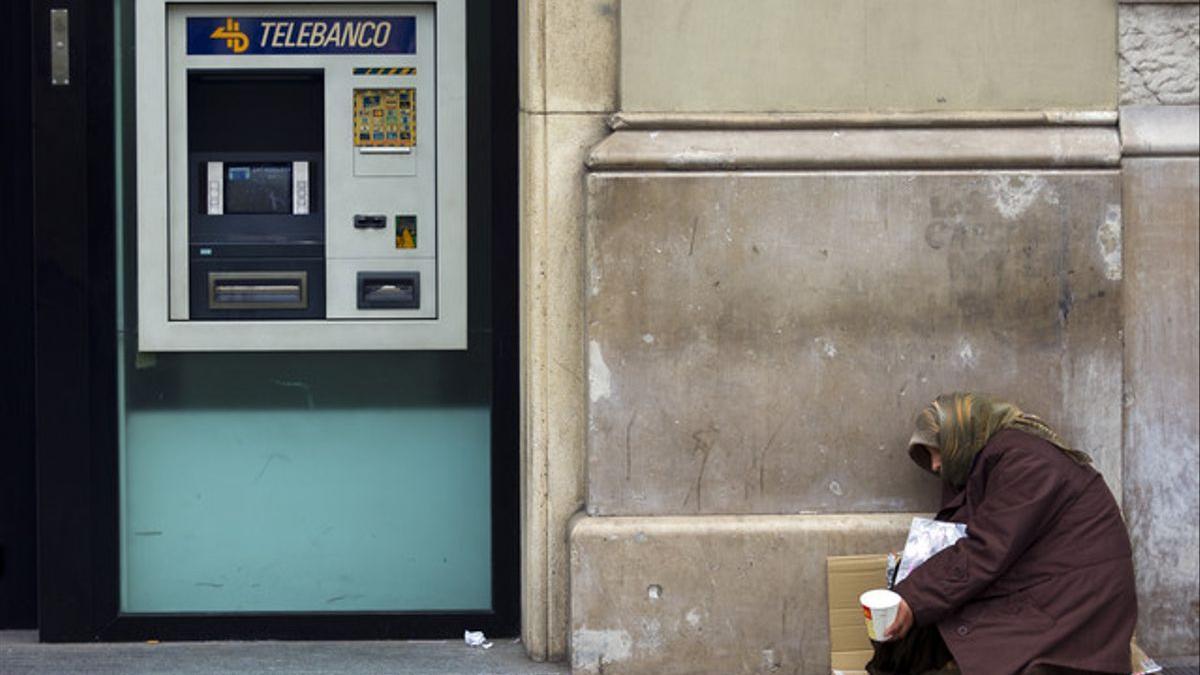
(828,348)
(1108,237)
(1012,195)
(966,353)
(599,376)
(652,635)
(590,649)
(704,441)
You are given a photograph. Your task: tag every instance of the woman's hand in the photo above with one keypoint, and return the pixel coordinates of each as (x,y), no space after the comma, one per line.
(903,622)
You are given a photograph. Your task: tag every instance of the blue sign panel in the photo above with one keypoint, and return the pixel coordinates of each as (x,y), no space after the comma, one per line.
(302,35)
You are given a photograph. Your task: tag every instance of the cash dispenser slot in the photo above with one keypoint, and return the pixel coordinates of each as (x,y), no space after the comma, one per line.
(389,290)
(258,290)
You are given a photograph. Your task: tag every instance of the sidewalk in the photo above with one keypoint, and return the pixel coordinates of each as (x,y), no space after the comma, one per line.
(21,654)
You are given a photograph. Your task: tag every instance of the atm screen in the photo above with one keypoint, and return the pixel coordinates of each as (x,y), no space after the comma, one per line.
(258,188)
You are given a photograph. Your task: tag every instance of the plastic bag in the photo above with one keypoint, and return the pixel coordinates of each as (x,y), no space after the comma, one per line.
(926,537)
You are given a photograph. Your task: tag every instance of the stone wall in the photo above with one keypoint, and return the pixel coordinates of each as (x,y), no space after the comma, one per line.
(1158,45)
(786,240)
(724,594)
(854,55)
(568,60)
(760,342)
(766,311)
(1161,296)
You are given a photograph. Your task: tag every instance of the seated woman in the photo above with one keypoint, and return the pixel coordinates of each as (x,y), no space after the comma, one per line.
(1043,581)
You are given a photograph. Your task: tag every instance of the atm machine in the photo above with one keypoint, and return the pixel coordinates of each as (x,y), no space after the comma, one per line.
(301,176)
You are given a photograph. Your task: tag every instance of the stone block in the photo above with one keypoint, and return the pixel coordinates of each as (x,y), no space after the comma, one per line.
(1162,381)
(724,594)
(1159,49)
(569,55)
(535,541)
(568,140)
(531,55)
(553,407)
(1160,130)
(877,55)
(760,342)
(840,148)
(581,55)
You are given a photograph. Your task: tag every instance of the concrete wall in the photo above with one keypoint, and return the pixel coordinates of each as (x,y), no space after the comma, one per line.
(836,55)
(1161,296)
(788,235)
(761,329)
(1160,63)
(725,594)
(759,343)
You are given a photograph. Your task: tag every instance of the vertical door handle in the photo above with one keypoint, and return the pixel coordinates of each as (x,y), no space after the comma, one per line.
(60,47)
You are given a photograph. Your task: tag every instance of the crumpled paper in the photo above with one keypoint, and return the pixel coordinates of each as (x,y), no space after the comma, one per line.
(475,638)
(926,537)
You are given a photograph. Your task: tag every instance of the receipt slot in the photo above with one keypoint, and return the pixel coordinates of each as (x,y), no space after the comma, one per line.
(301,173)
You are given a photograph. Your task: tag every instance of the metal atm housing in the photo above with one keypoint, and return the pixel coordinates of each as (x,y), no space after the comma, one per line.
(301,176)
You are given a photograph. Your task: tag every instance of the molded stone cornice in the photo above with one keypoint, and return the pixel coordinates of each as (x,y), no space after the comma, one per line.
(831,120)
(854,148)
(1160,130)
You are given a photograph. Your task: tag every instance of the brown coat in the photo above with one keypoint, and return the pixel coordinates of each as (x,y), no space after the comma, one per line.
(1045,574)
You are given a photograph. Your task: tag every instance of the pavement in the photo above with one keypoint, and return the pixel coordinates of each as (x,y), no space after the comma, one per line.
(22,654)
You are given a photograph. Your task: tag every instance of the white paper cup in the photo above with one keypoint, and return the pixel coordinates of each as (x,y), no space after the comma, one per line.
(879,607)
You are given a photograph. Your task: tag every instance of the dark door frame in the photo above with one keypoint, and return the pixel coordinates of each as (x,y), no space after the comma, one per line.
(18,563)
(75,423)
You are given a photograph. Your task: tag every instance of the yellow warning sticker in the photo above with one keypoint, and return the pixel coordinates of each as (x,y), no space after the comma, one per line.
(406,231)
(385,118)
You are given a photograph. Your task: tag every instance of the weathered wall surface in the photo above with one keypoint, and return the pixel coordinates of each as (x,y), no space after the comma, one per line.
(568,69)
(778,336)
(829,55)
(765,313)
(760,342)
(1160,53)
(723,594)
(1161,296)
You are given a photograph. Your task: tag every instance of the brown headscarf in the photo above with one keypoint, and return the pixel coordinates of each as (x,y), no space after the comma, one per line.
(960,424)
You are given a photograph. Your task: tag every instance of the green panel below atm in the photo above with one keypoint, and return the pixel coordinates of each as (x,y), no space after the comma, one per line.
(307,510)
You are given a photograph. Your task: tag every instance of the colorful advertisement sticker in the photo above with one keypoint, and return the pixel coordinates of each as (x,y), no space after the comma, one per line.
(385,118)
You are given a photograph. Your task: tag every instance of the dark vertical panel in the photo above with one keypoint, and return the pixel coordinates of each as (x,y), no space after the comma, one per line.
(60,253)
(101,284)
(73,273)
(502,94)
(18,562)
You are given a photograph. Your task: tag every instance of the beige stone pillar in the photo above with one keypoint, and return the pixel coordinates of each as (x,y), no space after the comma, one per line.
(568,85)
(1161,193)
